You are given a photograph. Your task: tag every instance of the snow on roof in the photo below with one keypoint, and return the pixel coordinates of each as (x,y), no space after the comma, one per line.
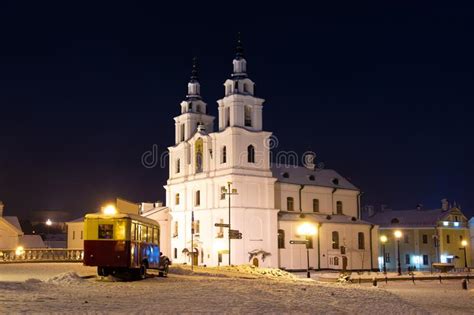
(408,218)
(14,221)
(319,218)
(299,175)
(32,241)
(81,219)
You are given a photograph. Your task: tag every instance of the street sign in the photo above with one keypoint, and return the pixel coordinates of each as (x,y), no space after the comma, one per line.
(235,234)
(222,225)
(299,242)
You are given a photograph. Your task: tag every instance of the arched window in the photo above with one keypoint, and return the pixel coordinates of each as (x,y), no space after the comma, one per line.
(197,200)
(251,154)
(336,261)
(290,204)
(227,117)
(315,205)
(335,240)
(224,155)
(178,165)
(281,238)
(196,227)
(176,199)
(361,239)
(339,207)
(176,229)
(199,149)
(248,116)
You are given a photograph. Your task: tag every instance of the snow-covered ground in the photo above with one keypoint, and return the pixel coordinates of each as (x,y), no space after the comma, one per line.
(216,290)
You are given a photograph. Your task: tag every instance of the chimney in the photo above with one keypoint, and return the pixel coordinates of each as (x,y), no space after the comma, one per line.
(384,208)
(419,207)
(158,204)
(1,208)
(444,204)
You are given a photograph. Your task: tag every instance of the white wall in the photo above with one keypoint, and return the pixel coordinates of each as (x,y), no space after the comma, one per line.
(75,235)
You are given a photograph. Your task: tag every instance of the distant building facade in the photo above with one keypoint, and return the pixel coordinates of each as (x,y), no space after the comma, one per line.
(428,236)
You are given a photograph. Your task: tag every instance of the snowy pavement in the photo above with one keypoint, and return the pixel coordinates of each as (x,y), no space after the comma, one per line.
(214,292)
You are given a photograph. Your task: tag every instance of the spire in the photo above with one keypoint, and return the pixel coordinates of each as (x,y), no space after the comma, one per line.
(240,64)
(194,72)
(194,88)
(239,49)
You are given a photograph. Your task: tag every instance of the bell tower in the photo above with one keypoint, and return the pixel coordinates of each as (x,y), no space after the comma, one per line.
(240,107)
(193,110)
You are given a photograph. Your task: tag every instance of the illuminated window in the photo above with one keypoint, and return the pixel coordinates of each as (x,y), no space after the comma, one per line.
(456,224)
(178,166)
(315,205)
(106,231)
(445,223)
(339,207)
(248,116)
(290,204)
(176,199)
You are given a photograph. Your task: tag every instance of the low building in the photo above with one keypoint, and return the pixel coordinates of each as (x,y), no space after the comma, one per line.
(158,212)
(427,236)
(75,234)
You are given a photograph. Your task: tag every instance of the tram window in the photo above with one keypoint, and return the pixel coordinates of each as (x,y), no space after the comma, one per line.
(106,231)
(143,234)
(133,235)
(156,236)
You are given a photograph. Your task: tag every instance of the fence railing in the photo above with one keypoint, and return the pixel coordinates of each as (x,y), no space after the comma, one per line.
(42,255)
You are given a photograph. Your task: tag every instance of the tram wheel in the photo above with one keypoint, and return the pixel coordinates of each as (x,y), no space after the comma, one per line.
(102,271)
(142,272)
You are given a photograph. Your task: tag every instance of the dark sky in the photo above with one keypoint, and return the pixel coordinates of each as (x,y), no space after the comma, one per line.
(382,94)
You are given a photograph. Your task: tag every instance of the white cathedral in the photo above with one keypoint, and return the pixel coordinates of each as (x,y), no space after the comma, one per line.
(268,201)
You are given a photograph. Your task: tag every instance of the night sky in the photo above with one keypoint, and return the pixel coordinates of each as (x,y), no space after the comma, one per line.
(383,95)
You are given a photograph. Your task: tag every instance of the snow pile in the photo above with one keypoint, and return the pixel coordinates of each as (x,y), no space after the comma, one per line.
(266,272)
(65,278)
(32,281)
(240,271)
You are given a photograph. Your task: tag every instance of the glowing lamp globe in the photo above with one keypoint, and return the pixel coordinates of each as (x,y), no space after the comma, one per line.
(383,239)
(398,234)
(307,229)
(464,243)
(110,210)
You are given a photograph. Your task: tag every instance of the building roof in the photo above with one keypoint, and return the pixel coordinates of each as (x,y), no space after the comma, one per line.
(408,218)
(299,175)
(32,241)
(320,218)
(14,221)
(81,219)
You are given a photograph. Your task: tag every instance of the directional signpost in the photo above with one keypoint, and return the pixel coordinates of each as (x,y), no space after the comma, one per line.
(235,235)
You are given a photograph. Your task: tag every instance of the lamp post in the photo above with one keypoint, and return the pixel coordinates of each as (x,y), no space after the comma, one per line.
(464,245)
(398,235)
(48,227)
(229,191)
(307,230)
(383,239)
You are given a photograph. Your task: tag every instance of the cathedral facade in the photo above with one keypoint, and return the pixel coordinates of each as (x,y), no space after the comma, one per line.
(224,179)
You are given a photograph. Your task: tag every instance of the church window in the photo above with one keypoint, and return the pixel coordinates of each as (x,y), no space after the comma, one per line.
(335,181)
(176,229)
(248,116)
(82,235)
(199,154)
(425,239)
(182,132)
(281,238)
(227,117)
(407,238)
(197,227)
(224,155)
(175,253)
(198,108)
(448,239)
(290,204)
(339,207)
(395,221)
(251,154)
(361,238)
(178,165)
(425,260)
(176,199)
(335,240)
(73,235)
(315,205)
(197,201)
(407,259)
(336,261)
(223,192)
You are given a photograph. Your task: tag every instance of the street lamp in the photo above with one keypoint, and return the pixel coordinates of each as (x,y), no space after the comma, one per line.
(229,191)
(464,245)
(384,239)
(48,228)
(398,236)
(109,210)
(307,230)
